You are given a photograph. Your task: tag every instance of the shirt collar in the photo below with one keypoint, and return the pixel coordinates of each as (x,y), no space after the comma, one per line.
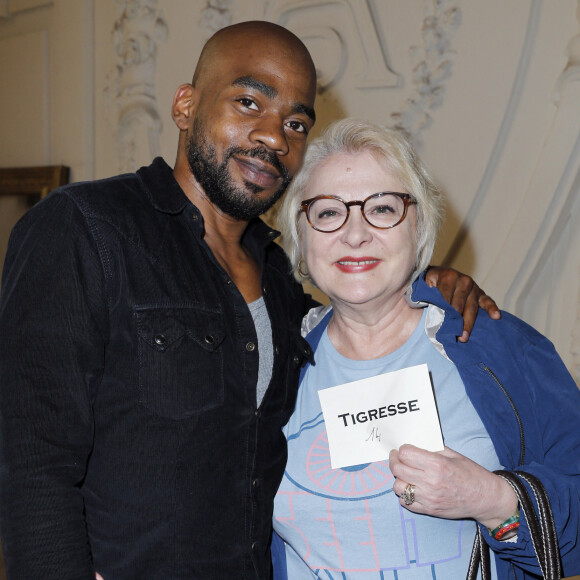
(167,196)
(258,235)
(162,188)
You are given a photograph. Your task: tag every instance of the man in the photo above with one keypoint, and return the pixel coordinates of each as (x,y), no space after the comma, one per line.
(142,319)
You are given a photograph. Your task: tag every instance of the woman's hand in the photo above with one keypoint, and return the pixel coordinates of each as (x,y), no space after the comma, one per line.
(451,486)
(463,294)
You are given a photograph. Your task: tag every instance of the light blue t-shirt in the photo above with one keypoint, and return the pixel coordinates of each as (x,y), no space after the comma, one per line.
(347,523)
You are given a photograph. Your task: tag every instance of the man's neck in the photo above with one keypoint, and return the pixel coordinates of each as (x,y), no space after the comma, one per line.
(223,234)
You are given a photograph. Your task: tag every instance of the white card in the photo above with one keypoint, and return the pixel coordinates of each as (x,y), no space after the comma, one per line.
(366,419)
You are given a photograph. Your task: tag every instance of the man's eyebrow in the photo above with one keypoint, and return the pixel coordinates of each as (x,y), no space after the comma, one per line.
(253,83)
(308,111)
(269,91)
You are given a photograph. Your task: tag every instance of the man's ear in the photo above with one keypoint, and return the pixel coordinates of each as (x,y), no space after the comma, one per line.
(183,107)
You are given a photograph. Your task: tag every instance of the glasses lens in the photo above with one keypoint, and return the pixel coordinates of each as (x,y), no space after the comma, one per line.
(327,215)
(384,210)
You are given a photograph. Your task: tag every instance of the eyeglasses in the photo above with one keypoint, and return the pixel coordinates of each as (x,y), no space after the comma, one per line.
(384,210)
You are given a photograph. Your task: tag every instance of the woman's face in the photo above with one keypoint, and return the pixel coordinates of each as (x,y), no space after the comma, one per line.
(358,264)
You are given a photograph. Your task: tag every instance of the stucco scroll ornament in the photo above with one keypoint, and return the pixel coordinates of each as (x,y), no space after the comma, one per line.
(442,18)
(131,88)
(215,16)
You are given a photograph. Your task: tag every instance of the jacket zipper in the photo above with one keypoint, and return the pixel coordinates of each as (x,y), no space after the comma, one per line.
(517,415)
(520,426)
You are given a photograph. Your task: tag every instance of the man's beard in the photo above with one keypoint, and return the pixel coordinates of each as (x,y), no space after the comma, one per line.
(217,183)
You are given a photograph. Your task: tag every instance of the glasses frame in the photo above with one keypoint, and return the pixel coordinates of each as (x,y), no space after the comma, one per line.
(407,199)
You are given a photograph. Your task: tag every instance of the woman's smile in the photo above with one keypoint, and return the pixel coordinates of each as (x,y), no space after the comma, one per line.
(355,265)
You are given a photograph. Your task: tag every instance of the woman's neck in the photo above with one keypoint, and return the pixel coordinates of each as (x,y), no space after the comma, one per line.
(365,334)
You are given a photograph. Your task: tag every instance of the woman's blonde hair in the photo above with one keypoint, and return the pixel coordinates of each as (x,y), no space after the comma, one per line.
(394,151)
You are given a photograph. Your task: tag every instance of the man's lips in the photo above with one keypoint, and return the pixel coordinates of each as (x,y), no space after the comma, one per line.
(258,172)
(352,264)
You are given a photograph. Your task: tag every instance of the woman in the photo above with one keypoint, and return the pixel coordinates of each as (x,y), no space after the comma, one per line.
(360,221)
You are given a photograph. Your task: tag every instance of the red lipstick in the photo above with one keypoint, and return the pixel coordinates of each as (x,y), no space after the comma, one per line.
(356,265)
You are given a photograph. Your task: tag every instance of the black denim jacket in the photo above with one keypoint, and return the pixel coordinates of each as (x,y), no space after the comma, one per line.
(129,435)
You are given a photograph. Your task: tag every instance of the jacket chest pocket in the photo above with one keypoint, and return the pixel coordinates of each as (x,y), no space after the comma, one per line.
(181,366)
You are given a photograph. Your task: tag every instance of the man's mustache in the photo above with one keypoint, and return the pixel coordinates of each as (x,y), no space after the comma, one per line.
(262,155)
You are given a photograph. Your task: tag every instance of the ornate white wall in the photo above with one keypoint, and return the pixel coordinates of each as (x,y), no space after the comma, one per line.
(489,90)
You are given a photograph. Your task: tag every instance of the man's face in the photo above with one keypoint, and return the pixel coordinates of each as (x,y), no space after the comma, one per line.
(251,121)
(240,202)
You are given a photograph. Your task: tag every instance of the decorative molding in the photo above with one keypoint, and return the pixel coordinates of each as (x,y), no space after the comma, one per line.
(442,18)
(130,88)
(505,129)
(329,45)
(11,8)
(571,72)
(376,74)
(331,65)
(545,234)
(215,16)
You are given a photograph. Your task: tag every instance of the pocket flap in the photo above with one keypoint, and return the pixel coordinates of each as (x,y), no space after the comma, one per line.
(161,328)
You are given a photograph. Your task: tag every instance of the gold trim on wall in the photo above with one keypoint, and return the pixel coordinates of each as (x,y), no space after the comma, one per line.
(35,182)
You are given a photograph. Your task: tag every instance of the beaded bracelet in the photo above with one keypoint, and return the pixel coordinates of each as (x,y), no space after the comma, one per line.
(507,529)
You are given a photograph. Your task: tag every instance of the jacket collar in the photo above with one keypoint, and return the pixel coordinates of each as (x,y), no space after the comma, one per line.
(453,326)
(166,196)
(162,188)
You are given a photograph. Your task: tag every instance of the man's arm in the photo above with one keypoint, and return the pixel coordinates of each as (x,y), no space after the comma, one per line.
(51,355)
(463,294)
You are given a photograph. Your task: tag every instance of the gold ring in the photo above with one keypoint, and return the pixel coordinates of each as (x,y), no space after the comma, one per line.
(408,495)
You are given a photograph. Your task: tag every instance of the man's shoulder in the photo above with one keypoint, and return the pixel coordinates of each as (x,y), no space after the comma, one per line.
(150,186)
(101,199)
(132,206)
(101,187)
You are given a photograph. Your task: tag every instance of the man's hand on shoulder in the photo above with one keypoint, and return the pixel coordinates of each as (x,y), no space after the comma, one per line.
(463,294)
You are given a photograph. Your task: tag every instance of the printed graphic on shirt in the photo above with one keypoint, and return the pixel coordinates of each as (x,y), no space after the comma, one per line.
(347,523)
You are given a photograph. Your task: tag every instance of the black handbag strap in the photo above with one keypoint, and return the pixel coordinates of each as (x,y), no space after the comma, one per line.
(542,529)
(479,556)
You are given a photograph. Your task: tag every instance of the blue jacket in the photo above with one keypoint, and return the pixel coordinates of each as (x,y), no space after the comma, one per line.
(530,406)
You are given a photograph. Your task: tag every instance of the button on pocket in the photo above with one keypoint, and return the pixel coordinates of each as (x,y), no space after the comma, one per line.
(180,360)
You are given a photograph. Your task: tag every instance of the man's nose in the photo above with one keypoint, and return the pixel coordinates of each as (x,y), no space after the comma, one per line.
(269,131)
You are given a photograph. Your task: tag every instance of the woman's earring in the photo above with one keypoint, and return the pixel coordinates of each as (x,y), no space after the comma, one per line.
(302,270)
